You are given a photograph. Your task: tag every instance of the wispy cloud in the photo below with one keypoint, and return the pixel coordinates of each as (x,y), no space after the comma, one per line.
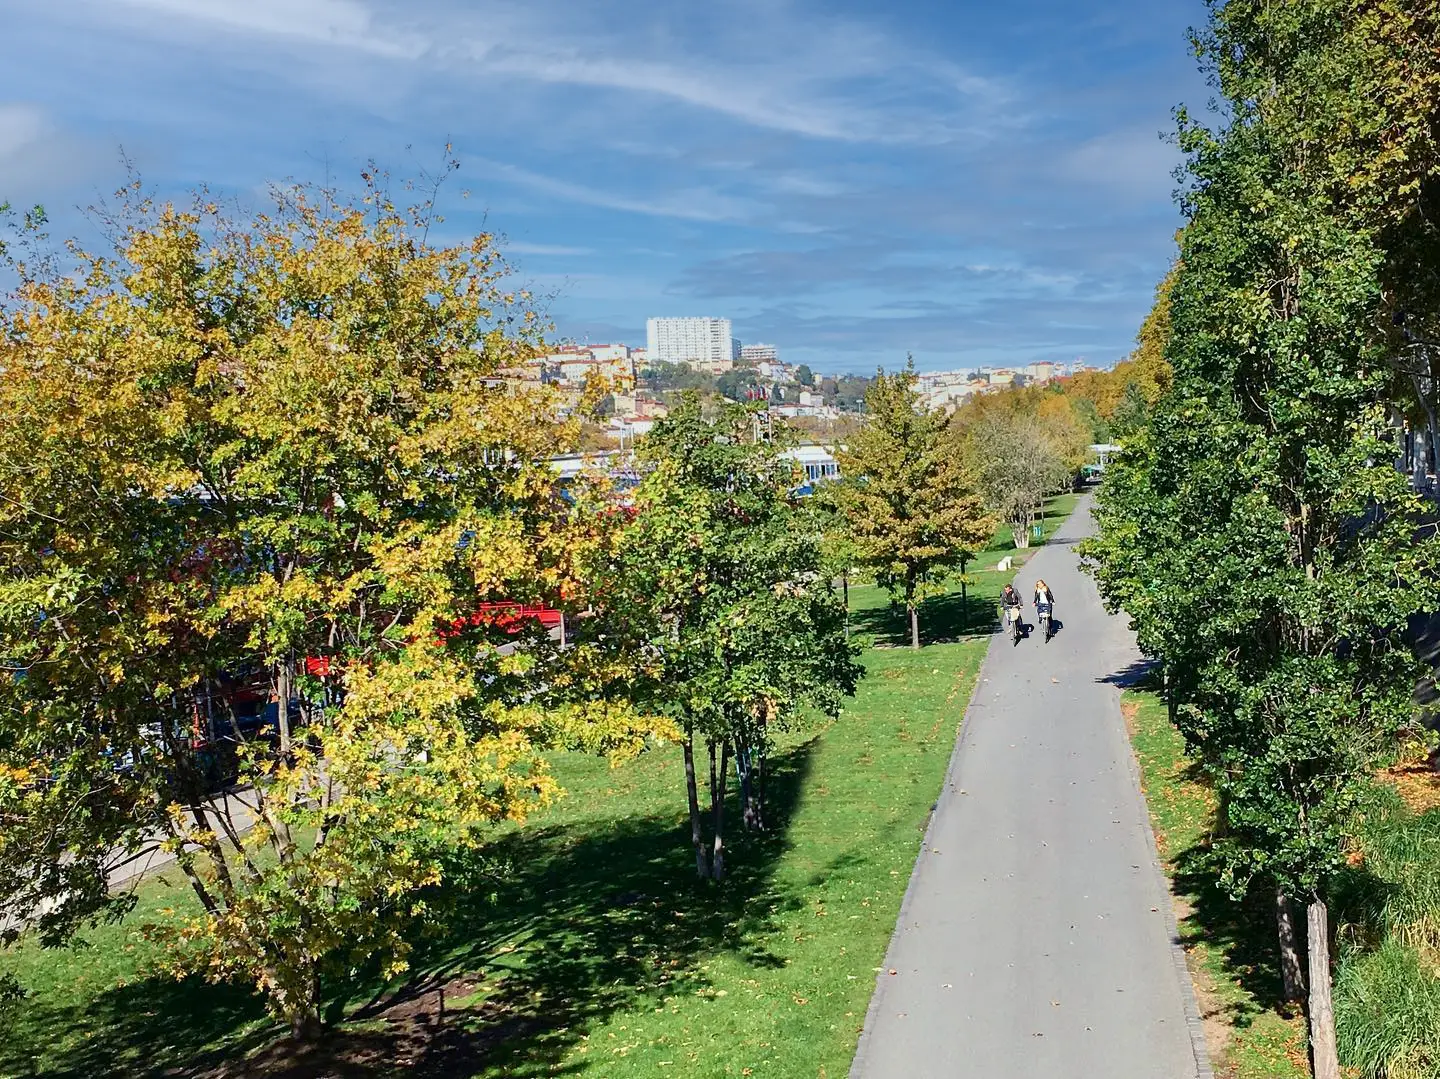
(36,159)
(1131,159)
(696,204)
(21,126)
(522,247)
(345,23)
(852,180)
(808,75)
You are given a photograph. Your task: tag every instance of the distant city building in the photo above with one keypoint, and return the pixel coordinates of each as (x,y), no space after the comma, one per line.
(758,354)
(576,365)
(775,371)
(1043,371)
(609,352)
(1001,377)
(703,343)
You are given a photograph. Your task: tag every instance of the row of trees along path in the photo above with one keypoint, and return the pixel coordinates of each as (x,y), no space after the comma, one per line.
(1257,530)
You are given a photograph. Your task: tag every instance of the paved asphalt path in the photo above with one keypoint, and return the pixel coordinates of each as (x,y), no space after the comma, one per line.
(1036,938)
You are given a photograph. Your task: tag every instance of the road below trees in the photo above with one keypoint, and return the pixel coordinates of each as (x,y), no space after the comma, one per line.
(1036,938)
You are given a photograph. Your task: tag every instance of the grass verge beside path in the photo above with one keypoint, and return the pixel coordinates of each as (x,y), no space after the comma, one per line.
(581,945)
(1229,947)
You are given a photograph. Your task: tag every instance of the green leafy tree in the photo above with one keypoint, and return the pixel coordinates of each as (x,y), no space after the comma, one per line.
(1018,460)
(230,447)
(804,375)
(911,503)
(1256,531)
(718,594)
(737,383)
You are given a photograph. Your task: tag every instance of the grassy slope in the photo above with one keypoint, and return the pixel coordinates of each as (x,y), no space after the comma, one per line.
(1230,948)
(582,945)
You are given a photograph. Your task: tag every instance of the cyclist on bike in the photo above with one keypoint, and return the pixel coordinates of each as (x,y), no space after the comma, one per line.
(1044,605)
(1010,600)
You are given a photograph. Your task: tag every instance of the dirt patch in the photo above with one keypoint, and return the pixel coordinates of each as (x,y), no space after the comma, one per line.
(1129,709)
(436,1031)
(1213,1018)
(1417,783)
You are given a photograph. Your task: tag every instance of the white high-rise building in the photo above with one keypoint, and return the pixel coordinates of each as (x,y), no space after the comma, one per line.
(704,343)
(756,354)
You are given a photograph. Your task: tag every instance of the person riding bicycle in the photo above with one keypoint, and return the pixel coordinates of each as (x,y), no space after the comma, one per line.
(1010,600)
(1045,607)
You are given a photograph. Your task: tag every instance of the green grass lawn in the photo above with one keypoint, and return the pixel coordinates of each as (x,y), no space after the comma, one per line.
(1230,947)
(581,944)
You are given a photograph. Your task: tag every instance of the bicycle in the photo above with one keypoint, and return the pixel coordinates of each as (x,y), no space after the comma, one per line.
(1010,617)
(1042,616)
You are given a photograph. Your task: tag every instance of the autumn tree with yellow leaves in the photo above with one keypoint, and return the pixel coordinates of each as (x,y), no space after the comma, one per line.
(270,454)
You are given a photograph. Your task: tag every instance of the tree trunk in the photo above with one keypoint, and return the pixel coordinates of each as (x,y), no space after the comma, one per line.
(845,584)
(697,838)
(710,751)
(757,787)
(299,1006)
(282,712)
(717,856)
(743,761)
(1292,973)
(914,627)
(1324,1059)
(964,599)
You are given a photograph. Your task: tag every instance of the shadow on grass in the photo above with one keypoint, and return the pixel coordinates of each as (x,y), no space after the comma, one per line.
(556,928)
(540,934)
(151,1027)
(942,618)
(1243,931)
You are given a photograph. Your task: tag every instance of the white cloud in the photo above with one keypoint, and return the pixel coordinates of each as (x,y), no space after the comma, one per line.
(346,23)
(698,204)
(523,247)
(21,126)
(1133,160)
(804,74)
(36,158)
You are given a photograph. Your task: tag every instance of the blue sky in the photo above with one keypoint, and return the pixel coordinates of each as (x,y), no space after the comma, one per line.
(973,182)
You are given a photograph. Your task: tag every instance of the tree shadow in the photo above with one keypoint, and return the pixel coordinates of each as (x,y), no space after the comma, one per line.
(152,1027)
(1243,931)
(943,618)
(1143,673)
(560,927)
(540,935)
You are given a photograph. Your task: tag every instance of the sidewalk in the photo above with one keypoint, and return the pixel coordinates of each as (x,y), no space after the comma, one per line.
(1036,938)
